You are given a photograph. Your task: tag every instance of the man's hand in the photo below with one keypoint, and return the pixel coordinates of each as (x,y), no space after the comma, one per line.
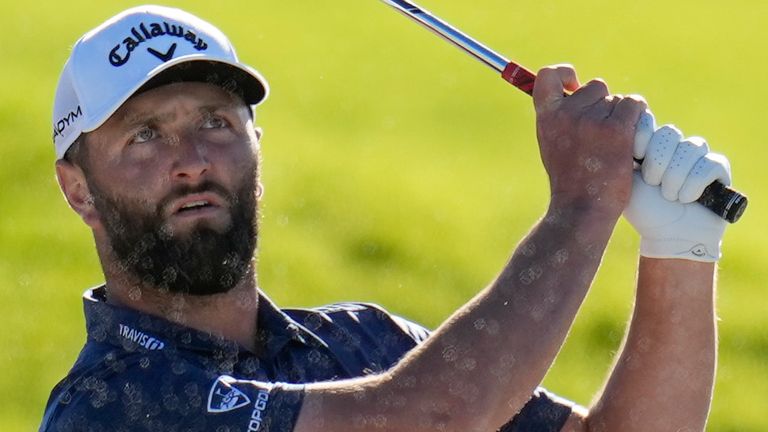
(586,140)
(663,208)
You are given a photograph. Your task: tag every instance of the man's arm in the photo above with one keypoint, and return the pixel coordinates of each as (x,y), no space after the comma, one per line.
(480,367)
(664,377)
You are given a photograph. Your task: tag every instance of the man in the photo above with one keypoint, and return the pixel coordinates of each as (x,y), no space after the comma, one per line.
(158,154)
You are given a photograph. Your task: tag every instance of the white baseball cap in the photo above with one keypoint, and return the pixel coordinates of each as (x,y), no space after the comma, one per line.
(129,53)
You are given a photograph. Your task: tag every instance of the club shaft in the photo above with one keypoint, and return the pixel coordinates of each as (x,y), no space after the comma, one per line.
(512,72)
(451,34)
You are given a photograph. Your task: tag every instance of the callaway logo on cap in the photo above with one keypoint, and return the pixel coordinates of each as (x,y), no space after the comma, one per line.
(139,47)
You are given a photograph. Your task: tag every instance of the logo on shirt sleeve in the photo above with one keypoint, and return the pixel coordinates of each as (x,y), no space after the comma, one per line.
(225,397)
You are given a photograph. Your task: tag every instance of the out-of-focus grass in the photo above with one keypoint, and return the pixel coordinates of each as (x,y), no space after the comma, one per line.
(401,172)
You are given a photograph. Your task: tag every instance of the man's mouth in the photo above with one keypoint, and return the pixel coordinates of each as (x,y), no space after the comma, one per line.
(197,204)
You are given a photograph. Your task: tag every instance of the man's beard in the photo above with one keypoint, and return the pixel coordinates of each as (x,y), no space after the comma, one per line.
(201,262)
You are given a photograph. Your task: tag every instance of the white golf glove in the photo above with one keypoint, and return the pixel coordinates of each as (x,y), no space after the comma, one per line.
(673,175)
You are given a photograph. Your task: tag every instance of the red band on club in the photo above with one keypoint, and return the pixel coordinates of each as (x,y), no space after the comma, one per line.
(519,77)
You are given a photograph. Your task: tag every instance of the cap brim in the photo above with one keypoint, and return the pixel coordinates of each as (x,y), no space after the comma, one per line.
(234,77)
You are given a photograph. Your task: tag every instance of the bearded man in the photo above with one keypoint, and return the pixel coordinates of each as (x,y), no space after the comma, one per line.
(158,154)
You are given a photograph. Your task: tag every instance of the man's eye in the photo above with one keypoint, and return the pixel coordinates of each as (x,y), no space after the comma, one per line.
(143,135)
(214,122)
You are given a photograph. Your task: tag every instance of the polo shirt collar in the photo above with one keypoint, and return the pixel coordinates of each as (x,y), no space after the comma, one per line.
(275,330)
(134,330)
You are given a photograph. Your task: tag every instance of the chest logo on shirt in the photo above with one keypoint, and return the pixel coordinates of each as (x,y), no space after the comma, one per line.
(225,397)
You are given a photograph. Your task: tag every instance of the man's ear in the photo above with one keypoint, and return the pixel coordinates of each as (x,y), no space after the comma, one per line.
(75,188)
(259,190)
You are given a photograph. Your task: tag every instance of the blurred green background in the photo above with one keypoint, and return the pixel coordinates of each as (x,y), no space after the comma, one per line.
(400,171)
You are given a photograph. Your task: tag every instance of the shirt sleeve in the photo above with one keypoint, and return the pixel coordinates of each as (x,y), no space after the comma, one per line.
(415,331)
(254,405)
(544,412)
(189,402)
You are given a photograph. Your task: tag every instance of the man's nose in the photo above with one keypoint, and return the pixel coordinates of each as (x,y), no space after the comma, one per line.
(192,160)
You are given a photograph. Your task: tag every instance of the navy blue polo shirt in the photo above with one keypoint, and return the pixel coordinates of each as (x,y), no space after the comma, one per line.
(139,372)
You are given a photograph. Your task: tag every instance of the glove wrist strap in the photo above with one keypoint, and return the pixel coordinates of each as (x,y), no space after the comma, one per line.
(680,249)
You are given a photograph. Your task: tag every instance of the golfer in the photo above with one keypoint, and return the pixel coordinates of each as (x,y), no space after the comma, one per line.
(158,154)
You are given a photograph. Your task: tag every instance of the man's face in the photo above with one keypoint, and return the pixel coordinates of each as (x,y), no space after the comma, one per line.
(173,176)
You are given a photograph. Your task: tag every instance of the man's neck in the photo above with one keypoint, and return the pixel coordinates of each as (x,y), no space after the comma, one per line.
(232,315)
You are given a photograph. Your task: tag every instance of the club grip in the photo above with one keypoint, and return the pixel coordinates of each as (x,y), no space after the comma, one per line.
(725,202)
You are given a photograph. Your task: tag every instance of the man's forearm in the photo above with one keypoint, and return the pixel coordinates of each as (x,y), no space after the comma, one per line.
(664,376)
(480,367)
(531,306)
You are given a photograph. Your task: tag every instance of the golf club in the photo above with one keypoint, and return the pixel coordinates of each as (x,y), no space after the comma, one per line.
(724,201)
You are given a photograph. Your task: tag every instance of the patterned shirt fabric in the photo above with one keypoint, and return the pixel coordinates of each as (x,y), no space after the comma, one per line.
(139,372)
